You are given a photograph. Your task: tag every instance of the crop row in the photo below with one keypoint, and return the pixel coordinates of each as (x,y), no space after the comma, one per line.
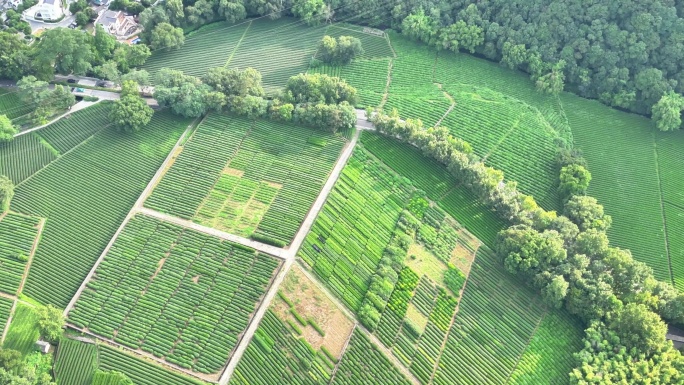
(549,357)
(17,234)
(207,48)
(177,294)
(364,363)
(76,362)
(349,236)
(369,77)
(11,104)
(28,153)
(374,46)
(139,371)
(5,309)
(496,318)
(85,195)
(276,356)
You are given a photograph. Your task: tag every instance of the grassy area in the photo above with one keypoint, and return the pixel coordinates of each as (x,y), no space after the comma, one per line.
(23,331)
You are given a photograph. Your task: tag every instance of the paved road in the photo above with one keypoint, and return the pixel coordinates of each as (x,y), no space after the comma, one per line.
(76,107)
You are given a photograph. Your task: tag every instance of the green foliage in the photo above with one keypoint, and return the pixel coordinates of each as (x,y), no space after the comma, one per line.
(165,35)
(23,331)
(311,11)
(587,213)
(15,53)
(6,193)
(454,279)
(140,372)
(111,377)
(326,117)
(342,50)
(7,130)
(317,88)
(50,323)
(63,50)
(461,35)
(233,82)
(574,180)
(186,95)
(130,113)
(667,113)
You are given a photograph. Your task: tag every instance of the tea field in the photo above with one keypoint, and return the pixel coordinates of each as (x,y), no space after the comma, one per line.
(11,104)
(17,236)
(178,294)
(85,196)
(5,310)
(248,178)
(79,363)
(23,330)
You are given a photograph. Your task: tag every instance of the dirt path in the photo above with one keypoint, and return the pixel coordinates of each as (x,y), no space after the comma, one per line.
(41,226)
(262,247)
(289,255)
(76,107)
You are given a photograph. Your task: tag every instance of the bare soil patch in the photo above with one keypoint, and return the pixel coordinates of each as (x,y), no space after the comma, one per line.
(233,172)
(311,303)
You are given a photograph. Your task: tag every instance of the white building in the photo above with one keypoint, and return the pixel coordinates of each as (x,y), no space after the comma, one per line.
(116,23)
(45,10)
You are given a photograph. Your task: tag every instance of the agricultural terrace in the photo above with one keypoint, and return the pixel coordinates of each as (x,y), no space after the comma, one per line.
(82,363)
(278,49)
(17,239)
(29,153)
(85,195)
(250,178)
(178,294)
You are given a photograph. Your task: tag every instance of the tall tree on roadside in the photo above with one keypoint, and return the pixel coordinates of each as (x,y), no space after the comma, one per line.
(7,129)
(14,61)
(64,50)
(130,113)
(50,322)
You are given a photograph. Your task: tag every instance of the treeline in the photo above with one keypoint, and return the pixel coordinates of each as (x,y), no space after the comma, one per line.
(568,258)
(315,100)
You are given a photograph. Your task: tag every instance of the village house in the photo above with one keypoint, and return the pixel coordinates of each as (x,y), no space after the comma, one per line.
(116,23)
(45,10)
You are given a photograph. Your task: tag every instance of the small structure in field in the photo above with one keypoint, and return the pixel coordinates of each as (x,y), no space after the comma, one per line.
(43,346)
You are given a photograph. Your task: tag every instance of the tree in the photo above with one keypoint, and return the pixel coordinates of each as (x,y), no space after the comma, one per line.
(310,11)
(513,55)
(11,360)
(130,113)
(104,44)
(149,19)
(7,130)
(61,98)
(82,18)
(165,35)
(233,82)
(64,50)
(14,60)
(78,6)
(527,251)
(327,49)
(50,322)
(587,213)
(574,180)
(640,328)
(459,35)
(667,113)
(553,82)
(109,71)
(186,95)
(130,56)
(6,193)
(348,48)
(141,77)
(419,26)
(318,88)
(555,291)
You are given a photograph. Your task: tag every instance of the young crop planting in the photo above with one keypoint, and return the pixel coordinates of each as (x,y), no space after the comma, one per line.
(209,47)
(364,363)
(248,178)
(17,235)
(350,233)
(276,355)
(85,195)
(140,372)
(178,294)
(76,362)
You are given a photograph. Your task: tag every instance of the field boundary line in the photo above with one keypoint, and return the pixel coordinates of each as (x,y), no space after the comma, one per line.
(128,217)
(385,94)
(258,246)
(140,354)
(386,351)
(9,320)
(662,207)
(289,255)
(69,112)
(344,349)
(34,247)
(527,345)
(503,138)
(451,107)
(232,54)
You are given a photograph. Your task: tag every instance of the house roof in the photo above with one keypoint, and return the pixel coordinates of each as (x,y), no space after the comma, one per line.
(109,18)
(49,2)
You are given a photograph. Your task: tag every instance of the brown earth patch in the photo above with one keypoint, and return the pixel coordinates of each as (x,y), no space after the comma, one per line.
(312,303)
(233,172)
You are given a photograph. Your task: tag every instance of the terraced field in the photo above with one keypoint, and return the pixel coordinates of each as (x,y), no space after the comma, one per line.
(85,195)
(76,362)
(250,178)
(178,294)
(11,104)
